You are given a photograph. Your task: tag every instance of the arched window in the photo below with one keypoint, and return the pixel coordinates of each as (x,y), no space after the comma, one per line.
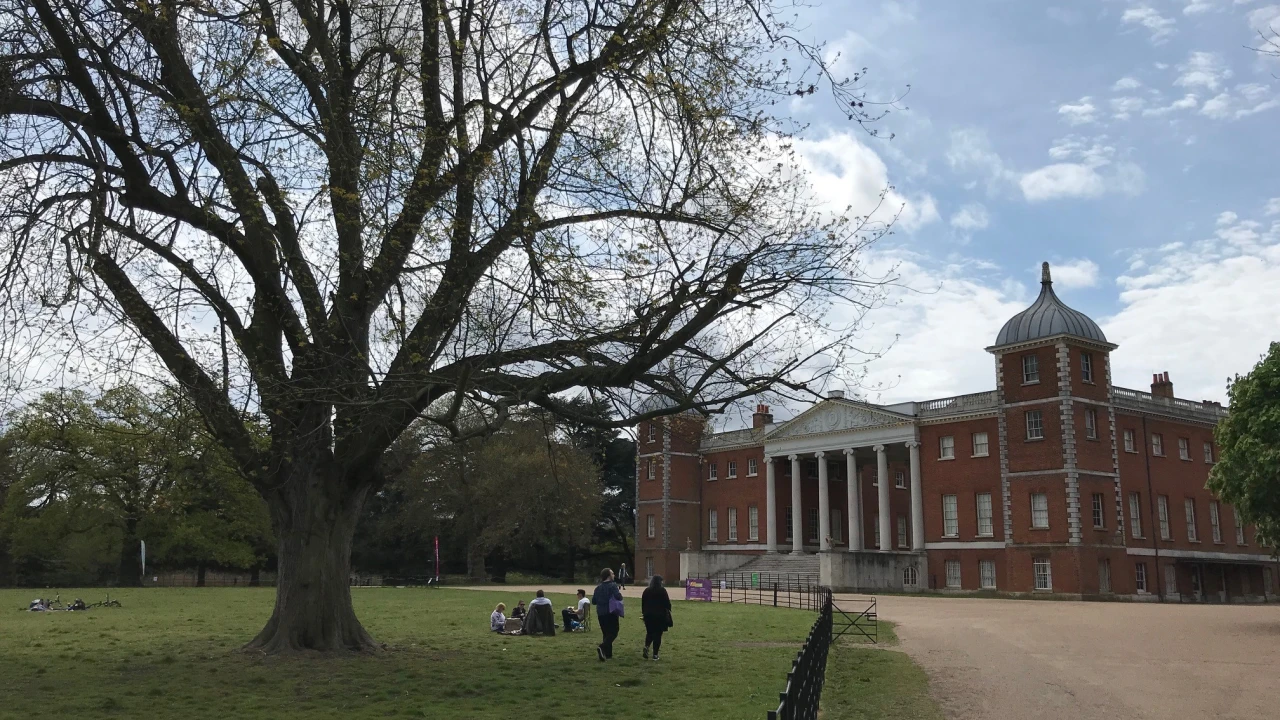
(910,577)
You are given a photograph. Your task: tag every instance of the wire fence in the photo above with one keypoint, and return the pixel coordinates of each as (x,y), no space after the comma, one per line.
(800,698)
(796,591)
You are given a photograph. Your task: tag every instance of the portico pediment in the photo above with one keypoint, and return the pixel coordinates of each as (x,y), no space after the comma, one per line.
(832,416)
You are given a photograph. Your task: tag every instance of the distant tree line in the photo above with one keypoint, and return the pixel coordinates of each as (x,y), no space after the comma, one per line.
(85,480)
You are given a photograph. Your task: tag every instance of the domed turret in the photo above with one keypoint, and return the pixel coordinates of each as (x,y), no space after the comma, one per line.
(1048,316)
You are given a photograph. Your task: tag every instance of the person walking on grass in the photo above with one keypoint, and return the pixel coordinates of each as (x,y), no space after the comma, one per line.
(608,601)
(655,607)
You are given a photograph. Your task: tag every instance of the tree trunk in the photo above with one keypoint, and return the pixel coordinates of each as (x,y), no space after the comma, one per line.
(255,576)
(573,562)
(315,519)
(475,561)
(200,574)
(130,574)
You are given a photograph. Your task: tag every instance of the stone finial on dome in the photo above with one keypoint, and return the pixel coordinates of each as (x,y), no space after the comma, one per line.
(1044,274)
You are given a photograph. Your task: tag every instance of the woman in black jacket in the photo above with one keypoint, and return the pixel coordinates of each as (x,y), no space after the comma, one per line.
(655,606)
(606,591)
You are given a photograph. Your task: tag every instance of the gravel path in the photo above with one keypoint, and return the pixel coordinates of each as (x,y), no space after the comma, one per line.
(997,659)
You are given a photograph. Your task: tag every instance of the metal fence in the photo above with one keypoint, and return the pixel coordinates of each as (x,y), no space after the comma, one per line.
(800,699)
(779,591)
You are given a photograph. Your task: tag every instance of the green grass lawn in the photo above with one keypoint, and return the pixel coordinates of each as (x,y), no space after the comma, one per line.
(174,653)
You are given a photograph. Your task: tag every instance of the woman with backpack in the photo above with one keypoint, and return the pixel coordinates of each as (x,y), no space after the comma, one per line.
(655,607)
(608,601)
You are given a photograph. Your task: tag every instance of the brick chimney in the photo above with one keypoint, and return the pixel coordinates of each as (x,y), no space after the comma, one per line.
(1161,386)
(761,417)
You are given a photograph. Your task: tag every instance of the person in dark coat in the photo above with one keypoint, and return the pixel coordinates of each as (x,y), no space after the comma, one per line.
(655,606)
(623,577)
(607,590)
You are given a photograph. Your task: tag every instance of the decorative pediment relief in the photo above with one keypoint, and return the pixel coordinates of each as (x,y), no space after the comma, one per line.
(836,416)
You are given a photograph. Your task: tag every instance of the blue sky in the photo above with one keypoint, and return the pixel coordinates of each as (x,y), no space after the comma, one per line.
(1131,144)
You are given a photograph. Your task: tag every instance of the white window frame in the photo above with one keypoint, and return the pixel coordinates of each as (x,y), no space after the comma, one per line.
(752,469)
(652,527)
(648,566)
(1189,505)
(753,523)
(1091,423)
(812,534)
(713,526)
(1235,518)
(653,433)
(733,525)
(1157,444)
(1140,577)
(1042,571)
(1215,521)
(1162,505)
(984,445)
(1035,430)
(903,540)
(1135,515)
(731,472)
(947,447)
(952,574)
(1184,448)
(651,469)
(950,516)
(1130,444)
(1086,367)
(900,479)
(1040,515)
(910,576)
(987,574)
(986,525)
(1030,369)
(1104,576)
(1208,452)
(713,472)
(1099,511)
(1171,580)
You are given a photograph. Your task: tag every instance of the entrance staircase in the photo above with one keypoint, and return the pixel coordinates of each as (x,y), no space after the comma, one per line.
(784,569)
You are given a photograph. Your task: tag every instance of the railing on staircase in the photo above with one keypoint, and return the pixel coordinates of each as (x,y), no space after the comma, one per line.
(797,591)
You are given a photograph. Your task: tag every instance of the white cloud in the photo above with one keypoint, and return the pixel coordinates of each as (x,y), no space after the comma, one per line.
(1061,180)
(1123,108)
(1160,27)
(1079,273)
(971,217)
(845,173)
(1187,102)
(1273,207)
(1203,69)
(1265,19)
(1126,83)
(1248,99)
(1197,7)
(1078,113)
(1225,287)
(971,152)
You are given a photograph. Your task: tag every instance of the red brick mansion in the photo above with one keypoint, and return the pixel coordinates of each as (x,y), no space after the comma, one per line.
(1055,482)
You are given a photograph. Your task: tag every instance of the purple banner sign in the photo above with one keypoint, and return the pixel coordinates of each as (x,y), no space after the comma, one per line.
(697,589)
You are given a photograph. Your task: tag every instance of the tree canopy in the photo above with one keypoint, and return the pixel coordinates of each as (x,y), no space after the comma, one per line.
(322,217)
(1247,471)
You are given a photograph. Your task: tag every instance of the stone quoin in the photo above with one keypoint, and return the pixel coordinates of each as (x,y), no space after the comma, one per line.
(1054,482)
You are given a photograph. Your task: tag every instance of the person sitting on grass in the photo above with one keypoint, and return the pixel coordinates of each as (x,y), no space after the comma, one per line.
(573,616)
(518,611)
(497,620)
(541,599)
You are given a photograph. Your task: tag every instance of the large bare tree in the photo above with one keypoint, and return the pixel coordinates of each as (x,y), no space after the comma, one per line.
(324,217)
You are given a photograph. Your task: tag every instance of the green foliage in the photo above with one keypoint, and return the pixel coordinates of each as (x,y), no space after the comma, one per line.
(1247,473)
(91,479)
(175,653)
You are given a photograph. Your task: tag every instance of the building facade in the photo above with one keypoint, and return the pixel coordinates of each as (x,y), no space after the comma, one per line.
(1054,482)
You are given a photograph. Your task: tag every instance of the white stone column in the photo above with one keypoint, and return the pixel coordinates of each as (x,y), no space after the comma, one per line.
(917,499)
(854,491)
(884,488)
(797,537)
(771,505)
(824,504)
